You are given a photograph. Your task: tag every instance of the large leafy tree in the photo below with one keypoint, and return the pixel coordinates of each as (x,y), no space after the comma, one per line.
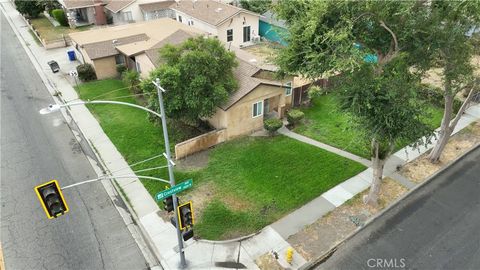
(198,77)
(451,49)
(30,8)
(324,39)
(258,6)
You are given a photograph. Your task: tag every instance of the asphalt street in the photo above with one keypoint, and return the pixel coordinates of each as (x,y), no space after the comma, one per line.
(35,149)
(437,227)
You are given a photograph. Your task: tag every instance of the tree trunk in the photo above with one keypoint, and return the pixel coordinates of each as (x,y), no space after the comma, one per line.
(377,166)
(447,128)
(445,131)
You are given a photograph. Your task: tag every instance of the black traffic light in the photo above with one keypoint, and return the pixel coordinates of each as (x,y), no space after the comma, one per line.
(185,215)
(187,235)
(168,204)
(51,198)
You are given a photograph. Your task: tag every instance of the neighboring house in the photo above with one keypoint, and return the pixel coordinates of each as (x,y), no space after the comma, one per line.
(272,28)
(106,48)
(229,23)
(157,10)
(84,12)
(130,11)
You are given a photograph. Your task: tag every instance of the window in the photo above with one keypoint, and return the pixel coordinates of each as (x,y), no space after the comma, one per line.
(190,22)
(246,33)
(127,16)
(288,88)
(119,59)
(257,109)
(179,18)
(229,35)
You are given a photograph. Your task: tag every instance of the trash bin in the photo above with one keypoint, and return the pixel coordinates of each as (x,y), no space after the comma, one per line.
(71,55)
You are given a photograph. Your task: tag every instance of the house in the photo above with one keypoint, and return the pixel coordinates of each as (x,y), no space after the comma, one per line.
(259,95)
(106,48)
(130,11)
(84,12)
(230,24)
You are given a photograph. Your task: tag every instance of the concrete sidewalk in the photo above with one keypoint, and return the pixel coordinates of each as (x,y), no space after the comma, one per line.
(161,235)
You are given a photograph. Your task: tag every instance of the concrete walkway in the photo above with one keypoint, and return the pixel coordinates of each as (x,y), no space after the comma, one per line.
(160,235)
(285,131)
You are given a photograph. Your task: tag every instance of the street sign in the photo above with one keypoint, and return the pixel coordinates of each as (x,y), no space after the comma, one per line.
(174,190)
(73,73)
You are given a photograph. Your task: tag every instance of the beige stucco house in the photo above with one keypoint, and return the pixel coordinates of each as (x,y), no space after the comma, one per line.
(106,48)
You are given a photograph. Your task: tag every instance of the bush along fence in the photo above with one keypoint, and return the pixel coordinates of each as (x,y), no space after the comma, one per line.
(48,44)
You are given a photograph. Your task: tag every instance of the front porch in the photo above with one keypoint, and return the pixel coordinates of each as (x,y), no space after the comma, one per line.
(272,108)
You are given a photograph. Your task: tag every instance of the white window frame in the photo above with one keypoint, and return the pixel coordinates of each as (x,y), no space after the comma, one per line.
(180,18)
(138,67)
(230,35)
(127,16)
(288,89)
(261,111)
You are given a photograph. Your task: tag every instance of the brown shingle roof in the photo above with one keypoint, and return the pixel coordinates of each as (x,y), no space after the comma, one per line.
(156,6)
(211,12)
(117,5)
(246,83)
(71,4)
(176,38)
(107,48)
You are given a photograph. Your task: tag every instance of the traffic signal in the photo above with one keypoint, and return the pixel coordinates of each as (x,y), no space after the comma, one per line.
(185,215)
(51,198)
(168,204)
(187,235)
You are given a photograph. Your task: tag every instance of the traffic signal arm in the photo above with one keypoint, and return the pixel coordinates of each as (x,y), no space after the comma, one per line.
(51,198)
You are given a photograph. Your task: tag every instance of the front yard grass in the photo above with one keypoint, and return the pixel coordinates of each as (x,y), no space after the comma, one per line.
(325,122)
(252,181)
(48,32)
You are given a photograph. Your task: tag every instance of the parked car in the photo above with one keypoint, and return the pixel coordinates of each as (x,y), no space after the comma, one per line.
(54,66)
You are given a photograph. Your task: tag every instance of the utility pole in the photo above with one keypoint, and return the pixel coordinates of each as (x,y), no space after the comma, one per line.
(170,165)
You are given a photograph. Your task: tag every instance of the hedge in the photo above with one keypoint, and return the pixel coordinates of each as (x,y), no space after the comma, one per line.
(60,16)
(86,72)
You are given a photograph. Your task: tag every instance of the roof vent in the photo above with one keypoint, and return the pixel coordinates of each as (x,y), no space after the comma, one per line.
(218,10)
(253,61)
(114,42)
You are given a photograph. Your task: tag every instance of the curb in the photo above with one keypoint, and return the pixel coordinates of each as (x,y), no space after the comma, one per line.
(319,260)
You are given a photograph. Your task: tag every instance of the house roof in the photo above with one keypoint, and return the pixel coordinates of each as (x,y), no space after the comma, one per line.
(211,12)
(156,6)
(108,48)
(98,43)
(71,4)
(117,5)
(246,83)
(176,38)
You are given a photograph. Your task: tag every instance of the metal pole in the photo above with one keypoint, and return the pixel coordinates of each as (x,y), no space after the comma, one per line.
(183,263)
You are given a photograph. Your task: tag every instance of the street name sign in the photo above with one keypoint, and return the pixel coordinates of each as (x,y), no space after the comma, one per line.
(174,190)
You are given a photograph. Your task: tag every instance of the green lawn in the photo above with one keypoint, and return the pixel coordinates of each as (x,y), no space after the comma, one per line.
(325,122)
(265,178)
(49,32)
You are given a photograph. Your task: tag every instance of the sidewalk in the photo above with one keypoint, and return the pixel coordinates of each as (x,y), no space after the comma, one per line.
(161,235)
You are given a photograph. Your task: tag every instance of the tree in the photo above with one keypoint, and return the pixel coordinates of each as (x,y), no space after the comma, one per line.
(131,78)
(452,50)
(321,41)
(30,8)
(386,108)
(257,6)
(198,77)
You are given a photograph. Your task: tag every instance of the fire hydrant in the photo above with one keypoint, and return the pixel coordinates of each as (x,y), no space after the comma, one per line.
(289,255)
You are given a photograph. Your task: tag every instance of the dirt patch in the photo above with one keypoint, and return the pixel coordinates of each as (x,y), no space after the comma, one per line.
(202,195)
(316,239)
(268,262)
(196,161)
(266,51)
(421,168)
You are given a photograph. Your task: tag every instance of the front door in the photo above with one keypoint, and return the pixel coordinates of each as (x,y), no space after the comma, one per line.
(297,93)
(266,106)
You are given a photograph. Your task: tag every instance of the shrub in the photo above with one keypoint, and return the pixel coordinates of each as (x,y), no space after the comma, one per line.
(86,72)
(132,79)
(121,68)
(272,125)
(295,116)
(30,8)
(315,91)
(59,15)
